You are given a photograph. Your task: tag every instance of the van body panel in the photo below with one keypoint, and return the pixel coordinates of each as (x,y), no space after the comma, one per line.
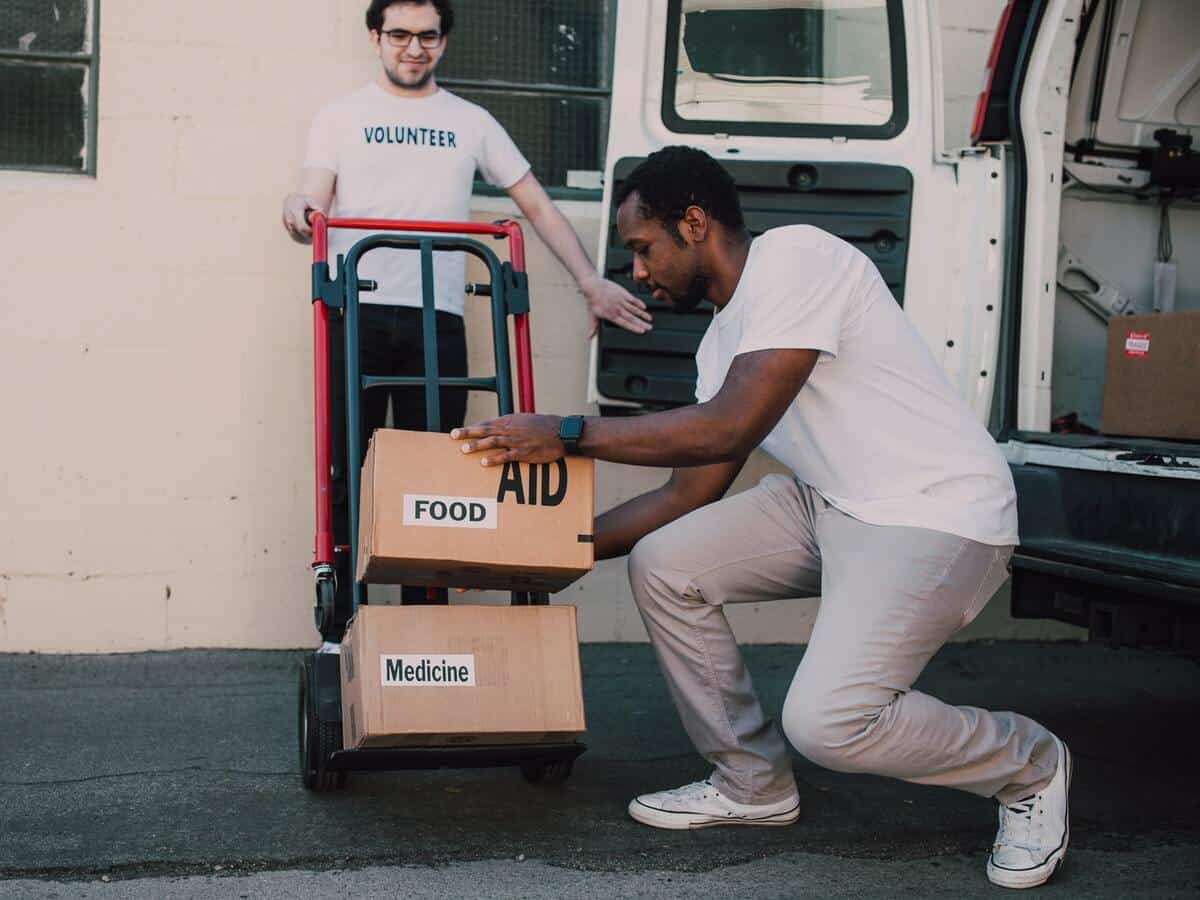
(955,212)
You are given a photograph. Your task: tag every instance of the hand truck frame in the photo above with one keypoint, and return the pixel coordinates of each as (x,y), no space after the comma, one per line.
(324,764)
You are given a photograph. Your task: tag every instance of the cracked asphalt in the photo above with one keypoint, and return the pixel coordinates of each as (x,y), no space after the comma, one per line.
(173,774)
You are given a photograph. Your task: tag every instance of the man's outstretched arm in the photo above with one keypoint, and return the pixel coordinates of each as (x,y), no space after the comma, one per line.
(757,390)
(605,299)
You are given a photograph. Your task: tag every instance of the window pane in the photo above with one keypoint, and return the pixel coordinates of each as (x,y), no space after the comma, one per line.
(805,62)
(42,108)
(529,41)
(44,25)
(555,133)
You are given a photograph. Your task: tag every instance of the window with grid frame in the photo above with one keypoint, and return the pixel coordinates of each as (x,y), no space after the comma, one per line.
(543,68)
(48,60)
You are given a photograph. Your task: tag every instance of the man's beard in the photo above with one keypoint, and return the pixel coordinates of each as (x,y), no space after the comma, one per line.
(407,85)
(695,294)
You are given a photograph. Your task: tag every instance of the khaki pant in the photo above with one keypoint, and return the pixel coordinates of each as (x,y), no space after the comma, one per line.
(890,597)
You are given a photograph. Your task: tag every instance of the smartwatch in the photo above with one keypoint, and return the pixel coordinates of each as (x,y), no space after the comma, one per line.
(570,430)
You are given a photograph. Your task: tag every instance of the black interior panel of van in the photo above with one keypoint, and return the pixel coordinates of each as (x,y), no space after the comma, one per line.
(867,204)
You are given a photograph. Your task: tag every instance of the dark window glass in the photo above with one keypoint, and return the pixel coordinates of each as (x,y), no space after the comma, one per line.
(542,68)
(42,26)
(530,41)
(789,43)
(555,133)
(43,110)
(47,84)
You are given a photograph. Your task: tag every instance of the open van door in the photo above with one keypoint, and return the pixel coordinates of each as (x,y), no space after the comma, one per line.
(1103,99)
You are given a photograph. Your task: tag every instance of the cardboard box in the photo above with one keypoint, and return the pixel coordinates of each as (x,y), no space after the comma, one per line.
(432,516)
(1152,376)
(461,675)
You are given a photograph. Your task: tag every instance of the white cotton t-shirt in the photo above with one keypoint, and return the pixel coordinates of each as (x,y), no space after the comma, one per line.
(877,430)
(403,158)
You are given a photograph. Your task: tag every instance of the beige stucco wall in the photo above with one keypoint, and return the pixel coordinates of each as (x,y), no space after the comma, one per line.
(155,352)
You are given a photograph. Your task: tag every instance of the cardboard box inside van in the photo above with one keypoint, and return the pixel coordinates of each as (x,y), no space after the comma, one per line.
(1152,376)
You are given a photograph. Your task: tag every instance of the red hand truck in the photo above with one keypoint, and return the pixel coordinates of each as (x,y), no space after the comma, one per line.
(324,763)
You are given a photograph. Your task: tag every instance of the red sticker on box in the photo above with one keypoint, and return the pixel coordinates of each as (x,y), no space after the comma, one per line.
(1137,343)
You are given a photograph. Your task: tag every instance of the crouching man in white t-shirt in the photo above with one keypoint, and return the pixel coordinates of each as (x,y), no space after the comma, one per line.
(901,516)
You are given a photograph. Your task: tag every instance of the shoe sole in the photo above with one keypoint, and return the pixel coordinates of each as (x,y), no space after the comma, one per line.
(1031,878)
(660,818)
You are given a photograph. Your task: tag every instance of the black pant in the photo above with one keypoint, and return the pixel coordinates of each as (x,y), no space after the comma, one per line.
(390,342)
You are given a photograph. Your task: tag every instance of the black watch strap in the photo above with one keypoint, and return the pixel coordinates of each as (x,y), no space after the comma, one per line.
(570,430)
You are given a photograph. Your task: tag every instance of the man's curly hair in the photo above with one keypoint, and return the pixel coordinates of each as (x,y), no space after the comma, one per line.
(674,178)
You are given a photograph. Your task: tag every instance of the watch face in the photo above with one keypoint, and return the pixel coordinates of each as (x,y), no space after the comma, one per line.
(571,429)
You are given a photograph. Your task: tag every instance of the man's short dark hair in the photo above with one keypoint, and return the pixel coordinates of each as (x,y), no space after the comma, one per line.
(378,7)
(674,178)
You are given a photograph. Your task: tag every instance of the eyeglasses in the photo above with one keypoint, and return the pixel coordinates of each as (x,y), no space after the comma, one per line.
(399,38)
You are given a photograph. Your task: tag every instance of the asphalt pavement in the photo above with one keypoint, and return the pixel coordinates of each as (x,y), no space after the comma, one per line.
(174,775)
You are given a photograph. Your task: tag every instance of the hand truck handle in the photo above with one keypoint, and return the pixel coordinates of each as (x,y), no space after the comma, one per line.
(502,229)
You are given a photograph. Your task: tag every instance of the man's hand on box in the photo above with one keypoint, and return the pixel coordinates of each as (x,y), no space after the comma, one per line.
(519,438)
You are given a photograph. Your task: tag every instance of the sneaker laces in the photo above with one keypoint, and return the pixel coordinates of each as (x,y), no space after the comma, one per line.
(695,789)
(688,795)
(1018,827)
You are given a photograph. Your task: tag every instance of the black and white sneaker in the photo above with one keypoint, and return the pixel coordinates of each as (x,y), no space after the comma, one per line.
(699,805)
(1033,835)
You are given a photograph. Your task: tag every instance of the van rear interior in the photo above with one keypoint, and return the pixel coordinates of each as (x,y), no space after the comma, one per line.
(1109,530)
(1115,222)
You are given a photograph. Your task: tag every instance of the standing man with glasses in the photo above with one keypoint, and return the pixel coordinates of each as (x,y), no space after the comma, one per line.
(401,147)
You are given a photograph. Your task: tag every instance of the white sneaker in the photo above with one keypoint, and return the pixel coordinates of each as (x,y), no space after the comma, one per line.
(1032,839)
(700,805)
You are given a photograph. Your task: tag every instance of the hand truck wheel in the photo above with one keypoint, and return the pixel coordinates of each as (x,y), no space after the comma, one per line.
(325,607)
(318,741)
(547,773)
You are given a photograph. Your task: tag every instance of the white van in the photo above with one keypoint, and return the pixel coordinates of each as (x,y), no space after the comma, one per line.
(1072,206)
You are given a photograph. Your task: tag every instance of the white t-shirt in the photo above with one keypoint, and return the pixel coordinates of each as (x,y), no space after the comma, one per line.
(877,430)
(402,158)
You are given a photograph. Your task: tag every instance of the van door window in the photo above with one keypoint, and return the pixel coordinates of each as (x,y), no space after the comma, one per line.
(808,68)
